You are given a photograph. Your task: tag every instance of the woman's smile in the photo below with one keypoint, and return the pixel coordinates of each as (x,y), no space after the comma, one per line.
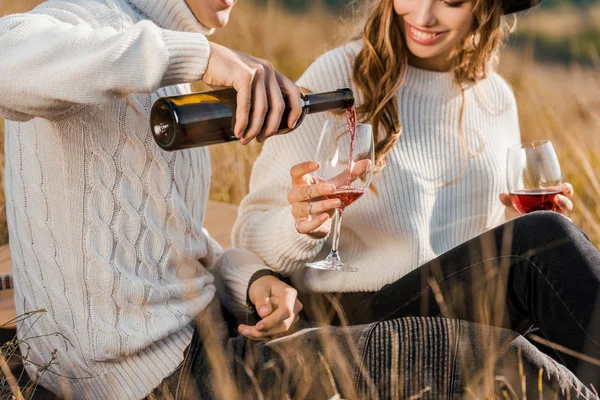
(424,36)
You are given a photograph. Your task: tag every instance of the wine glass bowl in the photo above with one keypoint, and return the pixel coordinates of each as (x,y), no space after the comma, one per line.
(533,176)
(346,157)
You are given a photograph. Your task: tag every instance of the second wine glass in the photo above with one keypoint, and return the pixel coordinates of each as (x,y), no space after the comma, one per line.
(346,155)
(533,176)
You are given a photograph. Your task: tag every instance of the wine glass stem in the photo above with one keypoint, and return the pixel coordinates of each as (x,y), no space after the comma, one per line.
(337,223)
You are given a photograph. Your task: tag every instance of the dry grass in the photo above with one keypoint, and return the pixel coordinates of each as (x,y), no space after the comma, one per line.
(559,103)
(565,22)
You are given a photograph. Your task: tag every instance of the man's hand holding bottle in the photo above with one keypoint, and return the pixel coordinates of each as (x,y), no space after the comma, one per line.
(260,90)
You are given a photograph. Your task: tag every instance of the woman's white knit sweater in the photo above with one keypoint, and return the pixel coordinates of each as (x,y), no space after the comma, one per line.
(105,227)
(413,216)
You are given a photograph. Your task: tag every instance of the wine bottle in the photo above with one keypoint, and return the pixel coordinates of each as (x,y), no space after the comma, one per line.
(202,119)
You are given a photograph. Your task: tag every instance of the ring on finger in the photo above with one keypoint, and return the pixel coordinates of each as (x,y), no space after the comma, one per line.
(308,192)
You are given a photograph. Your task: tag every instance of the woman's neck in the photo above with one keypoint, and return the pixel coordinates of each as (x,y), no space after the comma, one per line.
(439,63)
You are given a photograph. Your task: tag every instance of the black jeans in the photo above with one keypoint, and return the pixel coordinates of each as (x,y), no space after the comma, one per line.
(539,270)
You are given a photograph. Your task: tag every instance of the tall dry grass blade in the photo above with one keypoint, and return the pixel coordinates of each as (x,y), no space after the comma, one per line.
(563,349)
(394,378)
(329,375)
(250,375)
(540,380)
(507,388)
(439,298)
(420,394)
(211,330)
(8,375)
(522,375)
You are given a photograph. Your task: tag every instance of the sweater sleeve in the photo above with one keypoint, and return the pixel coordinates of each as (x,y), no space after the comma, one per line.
(55,61)
(232,271)
(265,224)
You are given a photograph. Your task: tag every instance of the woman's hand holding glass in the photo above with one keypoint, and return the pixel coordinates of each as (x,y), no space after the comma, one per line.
(312,211)
(310,208)
(563,202)
(534,180)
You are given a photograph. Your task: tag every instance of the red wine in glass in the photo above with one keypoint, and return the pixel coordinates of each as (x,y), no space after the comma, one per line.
(533,176)
(351,176)
(347,195)
(528,200)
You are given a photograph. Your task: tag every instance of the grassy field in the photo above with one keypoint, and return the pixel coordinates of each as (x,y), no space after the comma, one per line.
(556,101)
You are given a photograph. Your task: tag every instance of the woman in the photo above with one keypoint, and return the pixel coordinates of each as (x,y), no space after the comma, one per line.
(443,121)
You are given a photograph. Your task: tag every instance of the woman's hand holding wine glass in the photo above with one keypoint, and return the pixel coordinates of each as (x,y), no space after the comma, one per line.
(311,206)
(341,175)
(563,202)
(534,181)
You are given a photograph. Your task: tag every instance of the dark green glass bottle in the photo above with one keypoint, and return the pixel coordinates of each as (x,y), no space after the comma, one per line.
(203,119)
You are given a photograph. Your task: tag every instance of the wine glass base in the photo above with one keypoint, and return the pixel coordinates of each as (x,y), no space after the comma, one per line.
(331,264)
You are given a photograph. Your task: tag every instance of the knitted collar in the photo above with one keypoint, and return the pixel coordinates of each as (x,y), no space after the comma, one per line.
(171,14)
(431,82)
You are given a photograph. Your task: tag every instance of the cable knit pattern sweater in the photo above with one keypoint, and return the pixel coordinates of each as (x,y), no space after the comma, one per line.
(413,216)
(105,227)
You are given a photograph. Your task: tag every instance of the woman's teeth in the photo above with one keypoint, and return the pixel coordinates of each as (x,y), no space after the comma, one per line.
(422,35)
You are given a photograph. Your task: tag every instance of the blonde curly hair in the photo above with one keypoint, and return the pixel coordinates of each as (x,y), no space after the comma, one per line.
(380,66)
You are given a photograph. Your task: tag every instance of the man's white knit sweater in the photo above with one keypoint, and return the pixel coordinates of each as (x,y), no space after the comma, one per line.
(413,216)
(105,228)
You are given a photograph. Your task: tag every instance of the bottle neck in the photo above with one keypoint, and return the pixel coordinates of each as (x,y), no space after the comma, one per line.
(318,102)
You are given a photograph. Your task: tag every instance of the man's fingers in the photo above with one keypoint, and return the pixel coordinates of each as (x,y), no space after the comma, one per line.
(260,107)
(276,104)
(242,113)
(294,99)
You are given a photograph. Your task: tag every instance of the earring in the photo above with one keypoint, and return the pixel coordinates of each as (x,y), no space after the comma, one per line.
(475,40)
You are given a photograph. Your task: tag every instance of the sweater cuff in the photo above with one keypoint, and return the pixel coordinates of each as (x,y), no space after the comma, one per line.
(233,271)
(188,57)
(304,247)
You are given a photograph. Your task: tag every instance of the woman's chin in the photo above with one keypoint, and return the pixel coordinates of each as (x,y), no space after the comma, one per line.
(423,53)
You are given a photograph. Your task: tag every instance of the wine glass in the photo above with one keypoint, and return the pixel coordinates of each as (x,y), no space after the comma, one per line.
(533,176)
(347,161)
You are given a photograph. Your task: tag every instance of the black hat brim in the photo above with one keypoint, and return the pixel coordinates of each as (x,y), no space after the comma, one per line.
(513,6)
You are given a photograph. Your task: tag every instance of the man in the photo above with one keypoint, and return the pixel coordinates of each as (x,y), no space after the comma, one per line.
(106,229)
